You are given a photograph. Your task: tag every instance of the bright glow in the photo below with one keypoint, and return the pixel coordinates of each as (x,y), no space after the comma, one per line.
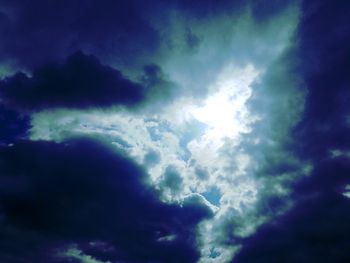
(224,112)
(219,114)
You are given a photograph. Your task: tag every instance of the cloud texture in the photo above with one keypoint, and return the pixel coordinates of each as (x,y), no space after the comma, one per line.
(177,131)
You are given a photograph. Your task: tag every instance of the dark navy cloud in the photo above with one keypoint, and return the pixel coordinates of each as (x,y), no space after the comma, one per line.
(81,193)
(324,38)
(81,82)
(123,32)
(261,10)
(306,235)
(316,228)
(36,32)
(14,125)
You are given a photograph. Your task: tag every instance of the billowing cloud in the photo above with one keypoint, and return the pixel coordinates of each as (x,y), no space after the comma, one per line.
(229,119)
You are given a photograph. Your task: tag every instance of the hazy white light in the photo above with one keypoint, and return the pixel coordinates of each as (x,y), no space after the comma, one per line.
(225,112)
(218,113)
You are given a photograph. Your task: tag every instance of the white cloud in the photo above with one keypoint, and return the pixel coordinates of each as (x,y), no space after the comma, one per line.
(187,137)
(74,252)
(167,134)
(202,137)
(137,134)
(346,192)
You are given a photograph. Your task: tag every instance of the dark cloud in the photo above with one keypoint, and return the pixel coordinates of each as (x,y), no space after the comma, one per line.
(208,8)
(53,196)
(124,32)
(82,193)
(324,47)
(14,125)
(263,10)
(37,32)
(80,82)
(159,87)
(316,228)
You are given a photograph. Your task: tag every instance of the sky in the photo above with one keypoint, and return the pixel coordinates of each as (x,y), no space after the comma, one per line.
(174,131)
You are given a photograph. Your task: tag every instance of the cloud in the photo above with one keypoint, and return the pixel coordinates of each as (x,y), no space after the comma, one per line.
(326,73)
(272,167)
(171,180)
(14,125)
(36,33)
(231,162)
(128,34)
(174,134)
(314,228)
(81,193)
(160,89)
(80,82)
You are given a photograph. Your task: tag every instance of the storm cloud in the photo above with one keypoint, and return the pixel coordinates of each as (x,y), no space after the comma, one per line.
(315,229)
(174,131)
(80,192)
(80,82)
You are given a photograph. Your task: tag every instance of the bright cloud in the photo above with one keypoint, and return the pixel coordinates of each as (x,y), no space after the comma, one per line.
(168,136)
(195,144)
(188,136)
